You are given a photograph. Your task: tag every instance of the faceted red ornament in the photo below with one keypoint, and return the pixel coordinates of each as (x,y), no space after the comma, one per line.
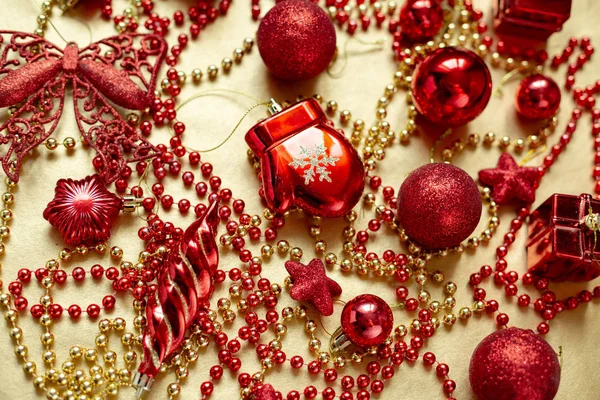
(306,162)
(538,97)
(421,19)
(533,19)
(120,70)
(367,320)
(185,284)
(510,181)
(296,40)
(439,205)
(514,364)
(83,211)
(452,86)
(563,243)
(265,392)
(312,284)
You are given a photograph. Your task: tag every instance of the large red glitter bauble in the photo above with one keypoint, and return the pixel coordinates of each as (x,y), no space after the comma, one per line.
(514,364)
(538,97)
(367,320)
(451,86)
(439,205)
(421,19)
(296,40)
(83,210)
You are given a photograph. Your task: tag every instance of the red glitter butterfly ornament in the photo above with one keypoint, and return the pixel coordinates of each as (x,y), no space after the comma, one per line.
(121,70)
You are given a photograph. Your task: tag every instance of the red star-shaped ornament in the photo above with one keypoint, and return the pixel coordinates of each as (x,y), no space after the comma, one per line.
(312,284)
(265,392)
(510,181)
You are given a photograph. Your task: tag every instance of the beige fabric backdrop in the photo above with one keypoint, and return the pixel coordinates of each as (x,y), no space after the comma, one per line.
(210,119)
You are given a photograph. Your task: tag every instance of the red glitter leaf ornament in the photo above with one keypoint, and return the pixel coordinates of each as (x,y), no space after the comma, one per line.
(185,284)
(83,210)
(121,70)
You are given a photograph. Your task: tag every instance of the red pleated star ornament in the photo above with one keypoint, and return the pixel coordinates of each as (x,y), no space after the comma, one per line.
(510,181)
(265,392)
(83,210)
(312,284)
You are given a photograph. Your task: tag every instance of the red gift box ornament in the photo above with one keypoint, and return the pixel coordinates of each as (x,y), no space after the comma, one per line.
(534,19)
(563,243)
(306,162)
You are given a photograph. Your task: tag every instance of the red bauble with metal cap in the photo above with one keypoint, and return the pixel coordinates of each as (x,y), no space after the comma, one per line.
(538,97)
(367,320)
(451,87)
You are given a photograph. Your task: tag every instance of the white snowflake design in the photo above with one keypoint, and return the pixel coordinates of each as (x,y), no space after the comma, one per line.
(317,161)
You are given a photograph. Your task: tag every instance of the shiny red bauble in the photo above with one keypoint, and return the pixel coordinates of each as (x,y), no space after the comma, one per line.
(538,97)
(514,364)
(367,320)
(296,40)
(421,19)
(439,205)
(451,86)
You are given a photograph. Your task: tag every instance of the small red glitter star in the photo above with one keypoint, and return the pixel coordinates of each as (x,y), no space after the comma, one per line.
(510,181)
(312,284)
(265,392)
(83,210)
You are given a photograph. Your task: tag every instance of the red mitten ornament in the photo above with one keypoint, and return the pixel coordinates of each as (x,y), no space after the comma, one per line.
(306,162)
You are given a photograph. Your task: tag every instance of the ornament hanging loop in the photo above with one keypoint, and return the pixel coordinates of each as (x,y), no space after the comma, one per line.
(377,43)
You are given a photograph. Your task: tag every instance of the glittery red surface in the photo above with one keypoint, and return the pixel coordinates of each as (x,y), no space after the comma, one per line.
(510,181)
(83,210)
(514,364)
(421,20)
(312,284)
(265,392)
(296,40)
(439,205)
(452,86)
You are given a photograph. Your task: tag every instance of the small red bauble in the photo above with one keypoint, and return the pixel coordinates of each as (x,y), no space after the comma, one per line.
(439,205)
(367,320)
(451,86)
(296,40)
(421,19)
(514,364)
(538,97)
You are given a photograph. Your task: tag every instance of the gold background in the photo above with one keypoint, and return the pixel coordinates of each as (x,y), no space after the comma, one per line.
(210,119)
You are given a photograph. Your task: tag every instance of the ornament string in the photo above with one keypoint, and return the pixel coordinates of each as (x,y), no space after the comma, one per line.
(144,179)
(87,26)
(532,154)
(498,91)
(377,43)
(212,92)
(439,140)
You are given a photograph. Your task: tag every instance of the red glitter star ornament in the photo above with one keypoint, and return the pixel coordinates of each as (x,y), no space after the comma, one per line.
(312,284)
(510,181)
(265,392)
(83,210)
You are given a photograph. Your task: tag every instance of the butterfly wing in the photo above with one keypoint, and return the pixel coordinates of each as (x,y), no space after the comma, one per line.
(124,68)
(115,141)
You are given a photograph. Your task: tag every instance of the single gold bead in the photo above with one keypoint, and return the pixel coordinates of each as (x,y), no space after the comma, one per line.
(296,253)
(51,144)
(212,71)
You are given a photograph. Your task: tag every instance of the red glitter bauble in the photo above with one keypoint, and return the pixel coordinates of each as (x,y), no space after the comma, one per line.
(439,205)
(514,364)
(296,40)
(421,19)
(451,86)
(538,97)
(367,320)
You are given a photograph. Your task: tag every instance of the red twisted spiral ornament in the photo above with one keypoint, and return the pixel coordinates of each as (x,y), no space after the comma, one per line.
(185,284)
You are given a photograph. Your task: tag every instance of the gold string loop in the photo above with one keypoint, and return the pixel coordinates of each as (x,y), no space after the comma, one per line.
(498,91)
(211,92)
(377,43)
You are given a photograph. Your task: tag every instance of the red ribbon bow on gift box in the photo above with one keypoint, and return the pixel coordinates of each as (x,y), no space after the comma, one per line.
(120,69)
